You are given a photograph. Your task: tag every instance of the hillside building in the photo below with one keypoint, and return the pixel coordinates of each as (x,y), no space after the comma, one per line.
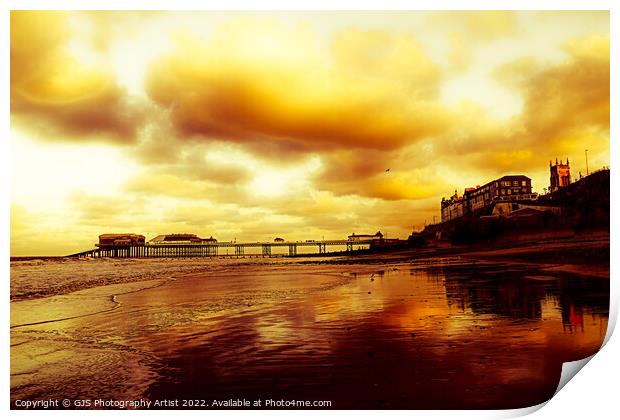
(452,208)
(119,239)
(560,175)
(507,188)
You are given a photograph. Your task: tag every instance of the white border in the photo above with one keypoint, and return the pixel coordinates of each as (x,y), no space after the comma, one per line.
(311,5)
(591,395)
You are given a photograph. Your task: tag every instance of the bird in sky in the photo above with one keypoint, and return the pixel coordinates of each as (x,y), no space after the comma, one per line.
(387,170)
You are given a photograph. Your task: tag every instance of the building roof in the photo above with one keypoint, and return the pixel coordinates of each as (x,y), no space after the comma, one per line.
(117,235)
(511,177)
(366,235)
(180,237)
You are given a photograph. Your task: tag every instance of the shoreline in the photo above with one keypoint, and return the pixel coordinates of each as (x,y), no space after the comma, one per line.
(282,321)
(30,279)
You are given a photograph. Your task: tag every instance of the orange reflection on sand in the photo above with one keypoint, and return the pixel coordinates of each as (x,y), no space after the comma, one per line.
(451,336)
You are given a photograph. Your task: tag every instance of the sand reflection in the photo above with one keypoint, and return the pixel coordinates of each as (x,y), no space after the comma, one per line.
(452,336)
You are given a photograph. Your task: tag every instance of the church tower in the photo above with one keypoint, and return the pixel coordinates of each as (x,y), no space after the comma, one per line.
(560,175)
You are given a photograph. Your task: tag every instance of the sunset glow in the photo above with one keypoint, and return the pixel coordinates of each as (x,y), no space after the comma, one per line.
(253,125)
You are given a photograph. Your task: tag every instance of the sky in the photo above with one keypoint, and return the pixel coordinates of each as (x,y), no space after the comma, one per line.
(264,124)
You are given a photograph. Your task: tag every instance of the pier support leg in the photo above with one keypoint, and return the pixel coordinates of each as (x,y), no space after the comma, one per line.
(266,250)
(239,250)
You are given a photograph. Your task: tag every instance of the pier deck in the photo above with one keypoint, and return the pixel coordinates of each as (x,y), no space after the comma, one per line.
(234,249)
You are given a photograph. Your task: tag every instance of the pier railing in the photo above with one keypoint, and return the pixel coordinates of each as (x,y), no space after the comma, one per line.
(221,249)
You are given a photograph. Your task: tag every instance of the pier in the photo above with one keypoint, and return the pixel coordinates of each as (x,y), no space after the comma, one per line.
(219,249)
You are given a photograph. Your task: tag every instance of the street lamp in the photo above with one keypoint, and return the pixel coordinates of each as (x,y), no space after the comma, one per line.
(587,171)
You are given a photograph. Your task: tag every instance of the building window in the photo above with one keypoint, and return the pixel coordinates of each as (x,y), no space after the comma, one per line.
(503,191)
(523,183)
(515,183)
(509,191)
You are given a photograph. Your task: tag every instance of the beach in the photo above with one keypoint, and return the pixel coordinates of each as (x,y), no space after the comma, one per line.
(409,329)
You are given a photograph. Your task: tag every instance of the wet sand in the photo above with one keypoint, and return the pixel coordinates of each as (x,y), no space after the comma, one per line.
(447,332)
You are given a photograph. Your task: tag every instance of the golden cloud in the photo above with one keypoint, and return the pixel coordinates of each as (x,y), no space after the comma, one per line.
(97,208)
(391,185)
(574,93)
(37,233)
(460,55)
(344,214)
(480,25)
(402,174)
(565,110)
(166,184)
(54,93)
(261,81)
(107,27)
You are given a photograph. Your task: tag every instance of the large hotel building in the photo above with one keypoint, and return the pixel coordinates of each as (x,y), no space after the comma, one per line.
(506,188)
